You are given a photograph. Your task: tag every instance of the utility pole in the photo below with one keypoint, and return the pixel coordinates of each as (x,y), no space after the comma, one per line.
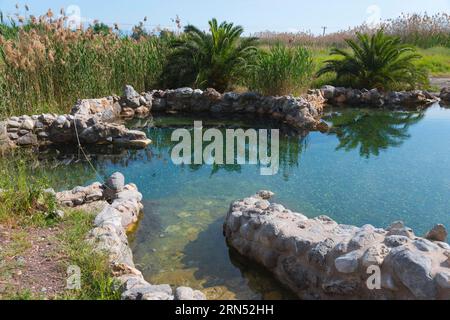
(324,30)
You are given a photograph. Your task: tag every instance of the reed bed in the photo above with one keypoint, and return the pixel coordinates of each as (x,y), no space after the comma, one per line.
(422,30)
(46,66)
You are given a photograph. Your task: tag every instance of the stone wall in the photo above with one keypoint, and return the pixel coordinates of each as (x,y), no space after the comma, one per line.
(96,121)
(93,120)
(120,206)
(376,98)
(321,259)
(445,94)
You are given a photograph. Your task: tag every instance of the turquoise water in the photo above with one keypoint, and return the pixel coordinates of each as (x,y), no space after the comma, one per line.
(373,167)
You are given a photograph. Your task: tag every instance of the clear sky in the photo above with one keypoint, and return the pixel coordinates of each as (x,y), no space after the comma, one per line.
(254,15)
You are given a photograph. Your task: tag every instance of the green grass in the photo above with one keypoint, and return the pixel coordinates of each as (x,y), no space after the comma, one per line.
(436,60)
(23,197)
(97,282)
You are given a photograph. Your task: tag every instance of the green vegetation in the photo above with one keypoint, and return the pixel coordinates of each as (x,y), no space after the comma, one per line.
(376,61)
(436,60)
(281,70)
(97,282)
(46,66)
(372,131)
(216,59)
(25,206)
(23,197)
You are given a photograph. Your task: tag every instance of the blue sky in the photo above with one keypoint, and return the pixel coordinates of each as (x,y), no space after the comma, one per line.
(254,15)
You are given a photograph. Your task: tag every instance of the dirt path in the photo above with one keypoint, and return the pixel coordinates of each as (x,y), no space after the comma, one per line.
(30,263)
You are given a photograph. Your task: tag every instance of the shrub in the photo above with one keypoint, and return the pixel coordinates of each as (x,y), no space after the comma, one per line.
(376,61)
(280,70)
(216,59)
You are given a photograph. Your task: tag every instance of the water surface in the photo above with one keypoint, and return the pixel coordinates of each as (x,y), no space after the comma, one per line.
(374,167)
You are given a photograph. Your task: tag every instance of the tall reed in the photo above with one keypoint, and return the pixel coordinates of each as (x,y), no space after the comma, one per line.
(281,70)
(47,66)
(422,30)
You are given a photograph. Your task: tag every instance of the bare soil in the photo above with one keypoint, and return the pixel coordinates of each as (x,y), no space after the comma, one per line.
(31,263)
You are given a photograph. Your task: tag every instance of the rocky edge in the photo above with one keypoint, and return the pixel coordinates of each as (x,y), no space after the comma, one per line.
(121,209)
(321,259)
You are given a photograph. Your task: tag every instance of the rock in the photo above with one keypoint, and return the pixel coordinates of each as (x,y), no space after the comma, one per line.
(145,291)
(414,271)
(131,97)
(363,238)
(29,139)
(266,195)
(127,112)
(374,256)
(328,92)
(396,241)
(142,111)
(399,229)
(28,124)
(438,233)
(184,293)
(443,280)
(319,253)
(116,182)
(348,263)
(425,245)
(341,287)
(112,239)
(445,94)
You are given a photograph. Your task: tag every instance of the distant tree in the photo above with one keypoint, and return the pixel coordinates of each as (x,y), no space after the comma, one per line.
(139,32)
(101,28)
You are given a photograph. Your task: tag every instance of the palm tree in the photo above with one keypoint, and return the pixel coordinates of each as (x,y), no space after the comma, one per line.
(216,59)
(376,61)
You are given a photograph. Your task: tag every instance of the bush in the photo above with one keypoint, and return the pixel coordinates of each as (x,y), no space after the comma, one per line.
(217,59)
(376,61)
(281,70)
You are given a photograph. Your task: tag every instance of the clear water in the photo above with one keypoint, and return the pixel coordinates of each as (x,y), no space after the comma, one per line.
(374,167)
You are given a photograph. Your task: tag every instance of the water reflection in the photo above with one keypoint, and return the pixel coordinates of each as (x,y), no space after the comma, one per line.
(372,130)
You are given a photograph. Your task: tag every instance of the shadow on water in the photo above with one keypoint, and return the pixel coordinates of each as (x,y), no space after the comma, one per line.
(222,266)
(372,130)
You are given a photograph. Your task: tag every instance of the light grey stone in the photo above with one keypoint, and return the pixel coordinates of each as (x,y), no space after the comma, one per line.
(186,294)
(348,263)
(414,271)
